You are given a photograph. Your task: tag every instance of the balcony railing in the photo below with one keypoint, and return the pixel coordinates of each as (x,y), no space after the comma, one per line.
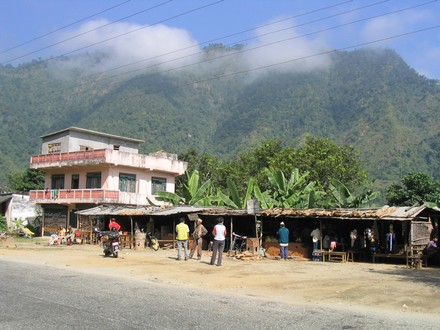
(108,156)
(68,156)
(89,196)
(74,196)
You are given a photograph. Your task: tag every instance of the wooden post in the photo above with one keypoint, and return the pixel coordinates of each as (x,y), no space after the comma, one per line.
(230,235)
(174,233)
(320,238)
(131,232)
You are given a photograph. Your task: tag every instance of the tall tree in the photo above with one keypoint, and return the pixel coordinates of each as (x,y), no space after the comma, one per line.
(324,160)
(415,189)
(30,179)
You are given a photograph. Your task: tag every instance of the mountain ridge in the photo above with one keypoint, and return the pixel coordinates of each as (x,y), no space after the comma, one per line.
(370,99)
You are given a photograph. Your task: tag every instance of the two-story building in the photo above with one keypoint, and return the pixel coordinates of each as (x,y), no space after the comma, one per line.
(85,168)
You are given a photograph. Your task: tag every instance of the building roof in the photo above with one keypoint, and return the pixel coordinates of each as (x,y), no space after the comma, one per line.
(139,210)
(401,213)
(384,213)
(83,130)
(4,198)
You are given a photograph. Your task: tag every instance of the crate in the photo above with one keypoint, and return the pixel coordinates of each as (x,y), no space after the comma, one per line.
(317,256)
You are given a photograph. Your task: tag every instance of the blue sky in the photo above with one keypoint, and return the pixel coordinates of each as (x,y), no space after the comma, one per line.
(170,33)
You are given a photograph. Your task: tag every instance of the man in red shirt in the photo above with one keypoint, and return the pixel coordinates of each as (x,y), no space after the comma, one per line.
(114,224)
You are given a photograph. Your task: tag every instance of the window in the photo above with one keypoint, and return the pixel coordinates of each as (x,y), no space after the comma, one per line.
(93,180)
(75,181)
(58,181)
(54,148)
(85,148)
(127,182)
(116,147)
(158,184)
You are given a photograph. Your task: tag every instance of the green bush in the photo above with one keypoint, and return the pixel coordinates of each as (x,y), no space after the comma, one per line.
(3,225)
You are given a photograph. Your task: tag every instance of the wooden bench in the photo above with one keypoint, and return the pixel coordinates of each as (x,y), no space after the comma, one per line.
(50,230)
(126,241)
(334,256)
(252,245)
(168,243)
(389,256)
(416,256)
(351,254)
(85,236)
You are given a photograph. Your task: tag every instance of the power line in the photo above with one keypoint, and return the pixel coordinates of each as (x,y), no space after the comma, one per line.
(84,33)
(269,44)
(317,54)
(64,27)
(128,32)
(225,37)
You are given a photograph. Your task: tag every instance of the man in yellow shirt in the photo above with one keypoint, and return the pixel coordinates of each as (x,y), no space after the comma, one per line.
(182,231)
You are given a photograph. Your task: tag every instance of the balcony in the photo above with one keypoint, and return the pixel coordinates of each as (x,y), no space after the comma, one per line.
(108,156)
(88,196)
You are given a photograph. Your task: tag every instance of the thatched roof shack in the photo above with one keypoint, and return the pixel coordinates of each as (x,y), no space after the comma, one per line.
(384,213)
(413,225)
(145,217)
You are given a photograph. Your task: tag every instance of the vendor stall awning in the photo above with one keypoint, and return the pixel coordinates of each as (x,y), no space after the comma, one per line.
(121,210)
(401,213)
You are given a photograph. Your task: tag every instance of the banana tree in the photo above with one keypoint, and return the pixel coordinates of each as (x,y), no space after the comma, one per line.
(293,192)
(192,193)
(233,198)
(344,198)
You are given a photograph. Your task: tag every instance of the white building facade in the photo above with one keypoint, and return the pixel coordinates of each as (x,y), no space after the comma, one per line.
(85,168)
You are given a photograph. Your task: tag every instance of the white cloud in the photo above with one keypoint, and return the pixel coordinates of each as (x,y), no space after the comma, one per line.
(155,47)
(279,47)
(392,25)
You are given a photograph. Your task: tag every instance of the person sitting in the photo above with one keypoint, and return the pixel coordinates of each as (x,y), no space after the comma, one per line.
(432,250)
(53,239)
(61,234)
(69,237)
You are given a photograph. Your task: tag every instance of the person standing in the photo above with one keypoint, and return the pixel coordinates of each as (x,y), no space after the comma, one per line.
(218,246)
(198,233)
(182,231)
(316,237)
(283,240)
(114,224)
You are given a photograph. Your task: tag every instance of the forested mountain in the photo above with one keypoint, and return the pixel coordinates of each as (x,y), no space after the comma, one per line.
(370,99)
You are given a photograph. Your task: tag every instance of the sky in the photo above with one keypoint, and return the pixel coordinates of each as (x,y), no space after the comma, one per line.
(170,34)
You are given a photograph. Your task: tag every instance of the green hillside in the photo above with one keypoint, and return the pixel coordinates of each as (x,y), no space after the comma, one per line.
(368,98)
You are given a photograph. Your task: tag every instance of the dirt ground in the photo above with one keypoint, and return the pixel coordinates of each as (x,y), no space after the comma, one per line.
(378,288)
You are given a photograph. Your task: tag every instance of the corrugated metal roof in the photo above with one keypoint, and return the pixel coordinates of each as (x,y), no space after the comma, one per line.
(5,198)
(139,210)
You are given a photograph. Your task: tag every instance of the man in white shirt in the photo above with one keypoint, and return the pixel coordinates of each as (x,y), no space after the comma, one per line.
(219,233)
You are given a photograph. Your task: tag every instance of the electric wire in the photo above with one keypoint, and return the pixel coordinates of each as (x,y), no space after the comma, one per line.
(63,27)
(220,38)
(263,45)
(274,64)
(122,34)
(87,32)
(314,55)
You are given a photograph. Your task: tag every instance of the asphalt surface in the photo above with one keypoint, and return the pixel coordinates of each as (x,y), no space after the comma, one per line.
(36,297)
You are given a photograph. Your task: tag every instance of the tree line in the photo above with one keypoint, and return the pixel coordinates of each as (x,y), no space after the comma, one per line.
(315,173)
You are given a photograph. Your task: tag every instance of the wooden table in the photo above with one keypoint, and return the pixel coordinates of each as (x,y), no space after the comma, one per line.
(334,256)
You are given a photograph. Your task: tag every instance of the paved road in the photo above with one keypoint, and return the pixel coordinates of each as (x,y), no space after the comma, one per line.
(34,297)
